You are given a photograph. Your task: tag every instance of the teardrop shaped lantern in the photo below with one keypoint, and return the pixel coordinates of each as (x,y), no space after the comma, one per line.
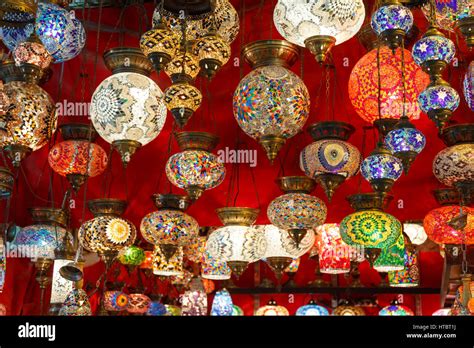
(237,243)
(169,227)
(127,108)
(297,211)
(195,169)
(77,157)
(182,100)
(271,103)
(330,160)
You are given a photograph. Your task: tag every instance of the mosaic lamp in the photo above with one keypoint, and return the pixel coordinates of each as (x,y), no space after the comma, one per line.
(396,309)
(439,101)
(346,309)
(237,243)
(415,231)
(195,169)
(116,301)
(442,312)
(465,23)
(194,300)
(296,211)
(363,85)
(334,255)
(447,12)
(312,309)
(182,99)
(167,267)
(391,22)
(76,304)
(409,276)
(194,251)
(30,118)
(18,11)
(330,160)
(183,67)
(271,103)
(107,233)
(272,309)
(318,25)
(138,304)
(60,31)
(391,258)
(369,226)
(468,86)
(439,230)
(237,311)
(169,227)
(131,256)
(77,157)
(156,309)
(212,51)
(282,249)
(222,304)
(127,108)
(214,269)
(32,55)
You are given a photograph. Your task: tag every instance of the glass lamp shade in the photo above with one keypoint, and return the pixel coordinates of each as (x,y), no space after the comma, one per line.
(438,230)
(468,86)
(297,21)
(454,164)
(271,100)
(105,234)
(381,166)
(334,254)
(133,256)
(391,258)
(41,240)
(156,309)
(371,229)
(222,304)
(330,156)
(61,33)
(214,269)
(116,301)
(182,96)
(77,157)
(237,311)
(172,311)
(76,303)
(363,85)
(415,232)
(312,309)
(433,48)
(167,267)
(195,168)
(160,41)
(60,287)
(409,276)
(442,312)
(293,266)
(14,35)
(438,97)
(128,106)
(280,243)
(272,309)
(212,47)
(191,66)
(194,251)
(32,53)
(396,310)
(405,139)
(392,17)
(194,303)
(138,303)
(236,243)
(343,310)
(297,211)
(148,261)
(447,12)
(169,227)
(31,118)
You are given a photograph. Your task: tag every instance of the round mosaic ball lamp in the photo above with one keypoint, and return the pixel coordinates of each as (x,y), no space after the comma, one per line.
(312,309)
(183,67)
(271,103)
(16,21)
(195,169)
(138,304)
(77,157)
(182,100)
(131,256)
(237,243)
(296,211)
(391,22)
(396,309)
(369,226)
(127,108)
(468,86)
(330,160)
(465,23)
(322,26)
(107,233)
(32,58)
(272,309)
(346,309)
(115,301)
(169,227)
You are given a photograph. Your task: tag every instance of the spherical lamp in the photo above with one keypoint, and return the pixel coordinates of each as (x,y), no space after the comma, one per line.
(438,227)
(213,52)
(396,309)
(182,99)
(272,309)
(439,102)
(183,67)
(138,304)
(345,309)
(312,309)
(131,256)
(76,304)
(381,169)
(31,54)
(447,12)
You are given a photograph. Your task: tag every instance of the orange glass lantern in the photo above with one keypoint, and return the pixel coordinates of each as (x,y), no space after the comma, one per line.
(148,262)
(436,224)
(334,254)
(364,85)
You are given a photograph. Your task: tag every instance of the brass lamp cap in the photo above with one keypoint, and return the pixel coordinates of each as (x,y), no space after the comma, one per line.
(270,52)
(447,196)
(171,201)
(30,73)
(78,131)
(331,130)
(296,184)
(458,134)
(369,201)
(367,37)
(240,216)
(53,216)
(127,59)
(107,206)
(196,141)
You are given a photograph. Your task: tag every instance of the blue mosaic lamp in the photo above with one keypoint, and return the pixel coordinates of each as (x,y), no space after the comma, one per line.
(439,102)
(469,86)
(433,47)
(391,22)
(156,309)
(13,35)
(312,309)
(222,305)
(396,309)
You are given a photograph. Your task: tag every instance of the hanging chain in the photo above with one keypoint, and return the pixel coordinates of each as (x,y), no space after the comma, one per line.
(432,19)
(404,86)
(328,90)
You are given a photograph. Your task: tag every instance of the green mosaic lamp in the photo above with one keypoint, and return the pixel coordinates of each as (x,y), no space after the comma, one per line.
(392,258)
